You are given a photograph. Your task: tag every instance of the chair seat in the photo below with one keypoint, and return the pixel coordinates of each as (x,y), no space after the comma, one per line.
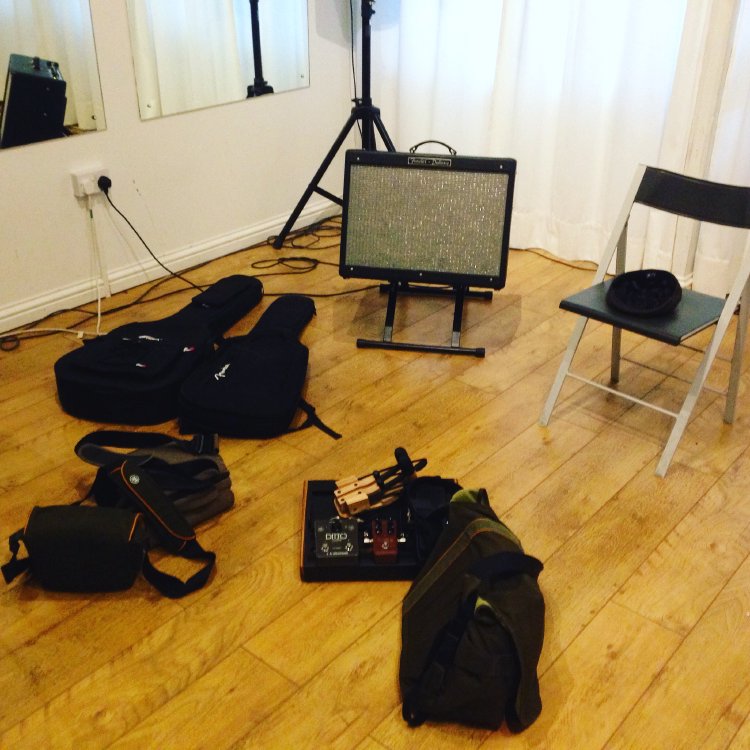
(694,312)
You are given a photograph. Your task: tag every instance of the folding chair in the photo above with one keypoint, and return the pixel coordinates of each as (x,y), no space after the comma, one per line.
(704,201)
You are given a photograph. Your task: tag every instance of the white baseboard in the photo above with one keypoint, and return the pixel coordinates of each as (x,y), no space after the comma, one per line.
(25,311)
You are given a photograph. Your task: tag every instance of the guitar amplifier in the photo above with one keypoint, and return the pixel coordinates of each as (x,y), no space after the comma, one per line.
(34,101)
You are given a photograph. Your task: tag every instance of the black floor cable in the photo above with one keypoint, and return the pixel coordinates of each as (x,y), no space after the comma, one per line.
(105,184)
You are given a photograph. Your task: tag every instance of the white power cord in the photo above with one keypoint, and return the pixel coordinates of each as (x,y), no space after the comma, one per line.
(102,278)
(102,281)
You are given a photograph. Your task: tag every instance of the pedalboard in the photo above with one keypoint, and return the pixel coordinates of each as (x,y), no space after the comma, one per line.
(376,544)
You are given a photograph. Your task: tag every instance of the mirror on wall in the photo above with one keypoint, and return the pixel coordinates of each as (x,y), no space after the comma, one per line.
(48,70)
(192,54)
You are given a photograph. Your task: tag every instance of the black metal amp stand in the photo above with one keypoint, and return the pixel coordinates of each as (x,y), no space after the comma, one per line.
(363,112)
(459,292)
(259,86)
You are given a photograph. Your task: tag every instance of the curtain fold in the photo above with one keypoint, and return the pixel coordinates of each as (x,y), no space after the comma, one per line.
(690,129)
(717,253)
(579,92)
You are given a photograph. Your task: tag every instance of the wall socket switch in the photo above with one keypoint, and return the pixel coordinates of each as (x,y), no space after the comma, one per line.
(85,181)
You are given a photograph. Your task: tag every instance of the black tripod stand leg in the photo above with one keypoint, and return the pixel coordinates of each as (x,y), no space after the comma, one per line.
(363,111)
(368,135)
(317,177)
(383,134)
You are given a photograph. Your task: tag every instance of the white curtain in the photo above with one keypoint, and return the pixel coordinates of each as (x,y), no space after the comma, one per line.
(58,30)
(190,54)
(579,92)
(718,249)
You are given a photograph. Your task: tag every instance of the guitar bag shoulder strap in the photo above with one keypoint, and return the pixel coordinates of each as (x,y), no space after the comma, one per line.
(96,447)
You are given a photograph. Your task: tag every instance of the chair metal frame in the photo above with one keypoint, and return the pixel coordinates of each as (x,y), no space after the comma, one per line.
(704,201)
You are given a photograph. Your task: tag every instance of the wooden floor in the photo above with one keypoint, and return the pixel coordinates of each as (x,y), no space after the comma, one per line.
(646,580)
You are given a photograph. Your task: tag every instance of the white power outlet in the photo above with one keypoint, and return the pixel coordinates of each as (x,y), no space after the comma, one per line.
(84,181)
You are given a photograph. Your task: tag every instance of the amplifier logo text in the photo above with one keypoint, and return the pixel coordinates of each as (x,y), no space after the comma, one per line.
(430,161)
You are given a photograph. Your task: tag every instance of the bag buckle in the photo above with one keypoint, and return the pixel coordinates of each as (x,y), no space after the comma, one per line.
(204,443)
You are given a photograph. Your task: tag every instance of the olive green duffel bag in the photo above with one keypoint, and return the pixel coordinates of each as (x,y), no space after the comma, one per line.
(473,625)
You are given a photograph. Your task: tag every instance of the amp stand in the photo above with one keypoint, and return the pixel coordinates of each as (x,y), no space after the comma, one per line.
(459,292)
(363,112)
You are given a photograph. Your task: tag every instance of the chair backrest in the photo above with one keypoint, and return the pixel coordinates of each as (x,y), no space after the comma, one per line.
(698,199)
(680,195)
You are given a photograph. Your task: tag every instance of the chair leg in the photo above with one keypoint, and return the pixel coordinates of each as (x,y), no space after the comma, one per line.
(739,348)
(686,410)
(562,371)
(695,389)
(614,368)
(671,445)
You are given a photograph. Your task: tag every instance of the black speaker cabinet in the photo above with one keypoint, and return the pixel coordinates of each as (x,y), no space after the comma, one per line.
(34,102)
(416,219)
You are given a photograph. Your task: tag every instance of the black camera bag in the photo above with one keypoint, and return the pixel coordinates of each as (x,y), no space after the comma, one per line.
(85,548)
(473,625)
(80,548)
(252,386)
(132,374)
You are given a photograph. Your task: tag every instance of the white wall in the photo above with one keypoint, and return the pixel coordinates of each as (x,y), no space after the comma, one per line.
(196,185)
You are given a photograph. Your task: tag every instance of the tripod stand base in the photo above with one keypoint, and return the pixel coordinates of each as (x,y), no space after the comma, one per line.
(369,117)
(258,89)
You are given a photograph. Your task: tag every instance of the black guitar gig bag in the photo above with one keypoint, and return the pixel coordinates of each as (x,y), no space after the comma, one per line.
(252,386)
(132,375)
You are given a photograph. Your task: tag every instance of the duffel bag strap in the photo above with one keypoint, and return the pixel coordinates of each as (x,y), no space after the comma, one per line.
(506,563)
(441,656)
